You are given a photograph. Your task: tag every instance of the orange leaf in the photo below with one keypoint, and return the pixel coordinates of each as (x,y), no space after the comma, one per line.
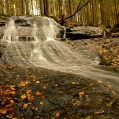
(56,85)
(25,105)
(81,93)
(3,111)
(38,93)
(28,91)
(44,87)
(10,115)
(73,82)
(57,114)
(30,98)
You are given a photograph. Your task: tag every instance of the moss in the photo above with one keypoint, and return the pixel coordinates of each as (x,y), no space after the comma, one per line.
(105,62)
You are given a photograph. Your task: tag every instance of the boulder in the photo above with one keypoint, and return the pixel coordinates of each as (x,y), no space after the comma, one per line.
(84,32)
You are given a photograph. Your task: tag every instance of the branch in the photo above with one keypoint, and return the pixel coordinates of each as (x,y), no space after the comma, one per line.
(78,9)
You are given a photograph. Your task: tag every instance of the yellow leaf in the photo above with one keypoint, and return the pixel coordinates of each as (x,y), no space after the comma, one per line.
(41,103)
(25,105)
(81,93)
(37,82)
(23,96)
(99,81)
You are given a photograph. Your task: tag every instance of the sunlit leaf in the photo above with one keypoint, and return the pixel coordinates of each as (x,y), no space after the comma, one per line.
(73,82)
(41,103)
(57,114)
(38,93)
(23,96)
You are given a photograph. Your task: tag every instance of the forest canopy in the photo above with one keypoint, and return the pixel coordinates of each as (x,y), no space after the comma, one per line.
(95,12)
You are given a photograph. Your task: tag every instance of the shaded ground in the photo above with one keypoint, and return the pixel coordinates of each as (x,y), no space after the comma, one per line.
(36,93)
(43,94)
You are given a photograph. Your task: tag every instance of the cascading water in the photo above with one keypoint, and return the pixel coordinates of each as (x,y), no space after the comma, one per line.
(50,53)
(11,33)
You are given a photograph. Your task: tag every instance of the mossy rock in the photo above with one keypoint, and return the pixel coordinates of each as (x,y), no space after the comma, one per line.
(105,62)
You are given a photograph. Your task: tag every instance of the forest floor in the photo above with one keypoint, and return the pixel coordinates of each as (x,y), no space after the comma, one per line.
(37,93)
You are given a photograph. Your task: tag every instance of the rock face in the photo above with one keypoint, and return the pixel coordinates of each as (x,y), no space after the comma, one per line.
(84,32)
(30,28)
(108,49)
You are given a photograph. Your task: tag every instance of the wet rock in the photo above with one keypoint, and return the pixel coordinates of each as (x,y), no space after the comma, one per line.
(83,32)
(22,22)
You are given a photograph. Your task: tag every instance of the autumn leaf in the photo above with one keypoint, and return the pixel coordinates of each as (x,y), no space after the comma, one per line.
(34,108)
(44,87)
(38,93)
(37,82)
(73,82)
(100,100)
(10,115)
(113,92)
(21,84)
(57,114)
(99,112)
(23,96)
(56,85)
(28,91)
(25,105)
(30,98)
(41,103)
(81,93)
(99,81)
(3,111)
(109,85)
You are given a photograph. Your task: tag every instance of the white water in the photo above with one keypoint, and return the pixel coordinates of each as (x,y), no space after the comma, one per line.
(52,54)
(11,33)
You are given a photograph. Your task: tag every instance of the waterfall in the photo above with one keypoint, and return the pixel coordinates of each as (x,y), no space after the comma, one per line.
(48,52)
(11,33)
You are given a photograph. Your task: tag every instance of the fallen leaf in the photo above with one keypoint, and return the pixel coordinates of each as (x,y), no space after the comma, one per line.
(100,100)
(28,91)
(23,96)
(56,85)
(113,92)
(25,105)
(99,112)
(10,115)
(3,111)
(73,83)
(38,93)
(81,93)
(37,82)
(99,81)
(41,103)
(44,87)
(57,114)
(30,98)
(109,85)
